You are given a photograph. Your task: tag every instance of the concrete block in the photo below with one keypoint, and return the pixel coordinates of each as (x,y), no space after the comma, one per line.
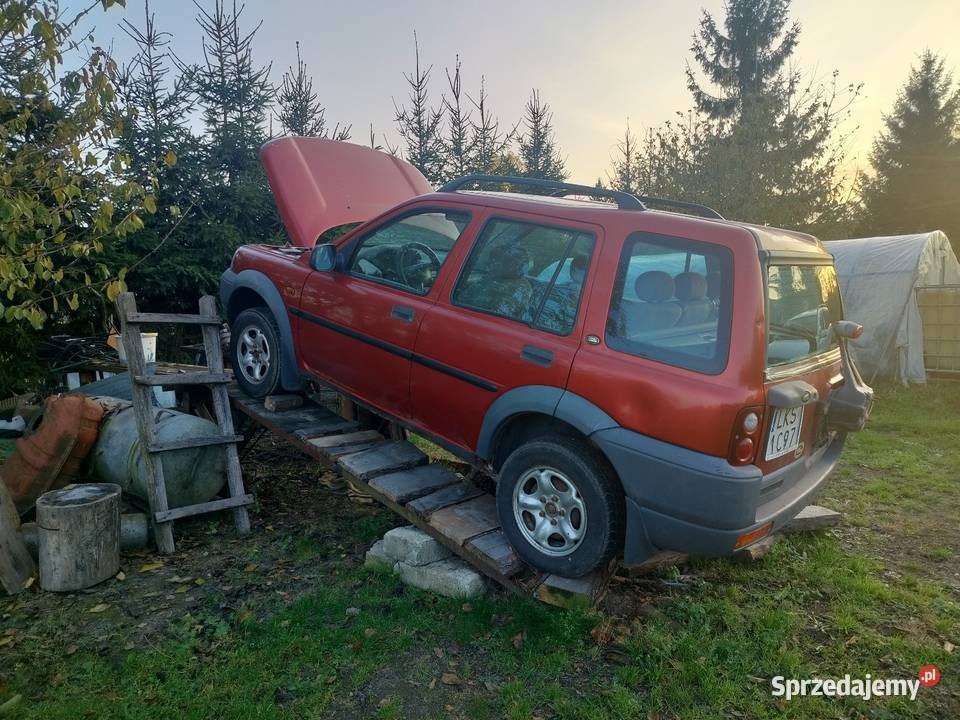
(413,546)
(452,578)
(378,558)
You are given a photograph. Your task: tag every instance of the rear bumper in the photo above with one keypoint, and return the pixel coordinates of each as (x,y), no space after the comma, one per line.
(682,500)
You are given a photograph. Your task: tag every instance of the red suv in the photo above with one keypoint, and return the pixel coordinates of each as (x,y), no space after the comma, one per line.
(635,379)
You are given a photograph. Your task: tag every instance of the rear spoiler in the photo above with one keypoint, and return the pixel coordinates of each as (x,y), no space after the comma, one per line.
(320,184)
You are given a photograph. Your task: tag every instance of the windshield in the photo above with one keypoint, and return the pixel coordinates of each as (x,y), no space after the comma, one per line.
(803,301)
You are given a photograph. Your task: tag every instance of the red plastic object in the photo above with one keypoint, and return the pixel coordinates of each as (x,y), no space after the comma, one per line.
(51,456)
(321,184)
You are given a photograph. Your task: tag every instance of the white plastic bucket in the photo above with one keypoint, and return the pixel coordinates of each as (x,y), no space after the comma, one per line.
(149,342)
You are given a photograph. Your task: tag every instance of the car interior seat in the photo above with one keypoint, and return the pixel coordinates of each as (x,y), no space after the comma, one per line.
(691,291)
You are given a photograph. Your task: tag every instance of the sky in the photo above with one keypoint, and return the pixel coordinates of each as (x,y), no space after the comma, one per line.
(598,64)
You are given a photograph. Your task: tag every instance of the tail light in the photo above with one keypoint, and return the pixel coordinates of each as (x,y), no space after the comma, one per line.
(745,438)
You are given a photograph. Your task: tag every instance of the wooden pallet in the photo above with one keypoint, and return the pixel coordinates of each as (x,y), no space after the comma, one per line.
(455,512)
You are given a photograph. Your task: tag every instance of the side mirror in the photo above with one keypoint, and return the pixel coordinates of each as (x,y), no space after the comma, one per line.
(847,329)
(323,258)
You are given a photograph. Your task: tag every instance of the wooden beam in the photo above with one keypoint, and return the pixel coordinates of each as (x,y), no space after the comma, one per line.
(16,564)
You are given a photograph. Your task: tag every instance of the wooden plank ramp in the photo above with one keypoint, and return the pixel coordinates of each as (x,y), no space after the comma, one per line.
(430,496)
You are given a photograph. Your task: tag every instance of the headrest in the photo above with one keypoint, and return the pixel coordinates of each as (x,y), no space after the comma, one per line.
(654,286)
(509,262)
(713,285)
(690,286)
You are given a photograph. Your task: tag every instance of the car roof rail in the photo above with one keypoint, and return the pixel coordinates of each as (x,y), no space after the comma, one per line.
(624,200)
(704,210)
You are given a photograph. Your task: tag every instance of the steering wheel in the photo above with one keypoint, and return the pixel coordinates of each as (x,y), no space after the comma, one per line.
(424,257)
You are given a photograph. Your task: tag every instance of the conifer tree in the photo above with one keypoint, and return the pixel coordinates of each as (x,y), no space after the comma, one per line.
(300,111)
(420,125)
(489,143)
(916,158)
(459,141)
(745,60)
(539,156)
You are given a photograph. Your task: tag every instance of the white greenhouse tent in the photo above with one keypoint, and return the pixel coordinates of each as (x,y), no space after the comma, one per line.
(879,278)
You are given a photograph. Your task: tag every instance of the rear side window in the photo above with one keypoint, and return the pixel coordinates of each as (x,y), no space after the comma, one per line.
(527,272)
(803,302)
(672,302)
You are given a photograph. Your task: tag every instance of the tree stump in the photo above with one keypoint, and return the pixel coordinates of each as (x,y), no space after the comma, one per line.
(79,536)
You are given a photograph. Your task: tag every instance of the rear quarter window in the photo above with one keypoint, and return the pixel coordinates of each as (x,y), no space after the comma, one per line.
(672,300)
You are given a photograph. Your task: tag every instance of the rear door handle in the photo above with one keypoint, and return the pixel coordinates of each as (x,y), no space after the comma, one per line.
(403,313)
(537,355)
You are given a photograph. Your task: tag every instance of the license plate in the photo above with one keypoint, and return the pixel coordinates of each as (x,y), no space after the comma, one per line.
(784,434)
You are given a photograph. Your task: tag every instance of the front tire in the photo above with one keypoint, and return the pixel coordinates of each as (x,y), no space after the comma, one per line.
(255,352)
(561,506)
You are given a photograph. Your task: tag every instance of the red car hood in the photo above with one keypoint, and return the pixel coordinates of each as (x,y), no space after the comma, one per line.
(319,184)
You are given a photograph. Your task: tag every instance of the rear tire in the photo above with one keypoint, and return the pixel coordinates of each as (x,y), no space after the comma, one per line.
(255,352)
(561,506)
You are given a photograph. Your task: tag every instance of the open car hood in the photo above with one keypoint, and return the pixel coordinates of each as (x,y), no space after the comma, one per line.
(320,184)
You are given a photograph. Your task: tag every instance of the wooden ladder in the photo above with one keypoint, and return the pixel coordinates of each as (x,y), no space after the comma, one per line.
(144,379)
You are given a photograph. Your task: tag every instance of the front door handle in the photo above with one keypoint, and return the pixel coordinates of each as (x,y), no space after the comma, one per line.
(537,355)
(403,313)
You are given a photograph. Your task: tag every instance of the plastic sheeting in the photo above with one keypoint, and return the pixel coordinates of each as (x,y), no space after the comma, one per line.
(878,280)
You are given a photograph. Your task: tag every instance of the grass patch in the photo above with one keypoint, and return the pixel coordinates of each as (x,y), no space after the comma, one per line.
(870,598)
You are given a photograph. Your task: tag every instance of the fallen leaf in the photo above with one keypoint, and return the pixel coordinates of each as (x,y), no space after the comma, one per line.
(948,646)
(151,567)
(199,581)
(386,701)
(491,685)
(250,568)
(6,641)
(433,684)
(28,583)
(71,649)
(182,589)
(120,576)
(450,679)
(98,608)
(370,632)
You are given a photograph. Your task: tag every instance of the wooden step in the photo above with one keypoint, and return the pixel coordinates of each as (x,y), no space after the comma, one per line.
(330,427)
(467,520)
(493,549)
(386,458)
(406,485)
(171,318)
(201,508)
(425,506)
(197,378)
(346,439)
(199,441)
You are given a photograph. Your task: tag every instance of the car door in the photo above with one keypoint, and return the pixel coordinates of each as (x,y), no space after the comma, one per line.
(511,319)
(359,323)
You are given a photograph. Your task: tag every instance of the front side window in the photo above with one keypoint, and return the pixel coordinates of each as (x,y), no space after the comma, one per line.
(803,302)
(408,252)
(527,272)
(672,301)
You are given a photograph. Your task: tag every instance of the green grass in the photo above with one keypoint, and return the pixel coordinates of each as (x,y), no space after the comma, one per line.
(870,598)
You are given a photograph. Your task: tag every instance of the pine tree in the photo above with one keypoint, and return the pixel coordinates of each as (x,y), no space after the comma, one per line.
(420,125)
(234,93)
(916,158)
(624,175)
(745,62)
(489,143)
(539,156)
(300,111)
(459,141)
